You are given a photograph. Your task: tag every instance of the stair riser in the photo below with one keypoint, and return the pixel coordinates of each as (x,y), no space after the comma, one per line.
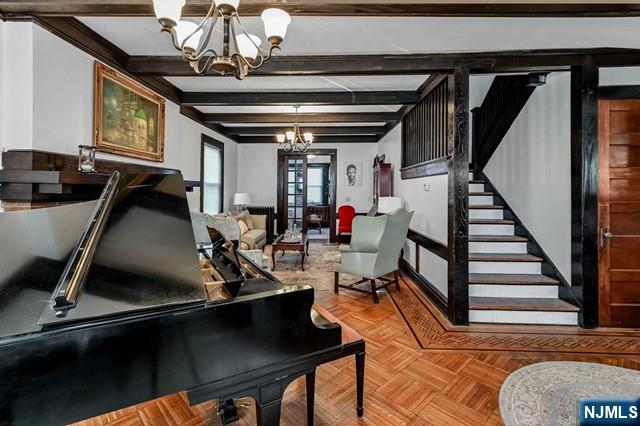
(476,187)
(480,199)
(497,247)
(505,268)
(491,230)
(486,214)
(524,317)
(470,176)
(517,291)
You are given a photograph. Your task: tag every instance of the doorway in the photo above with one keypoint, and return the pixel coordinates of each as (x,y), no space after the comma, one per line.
(619,212)
(306,192)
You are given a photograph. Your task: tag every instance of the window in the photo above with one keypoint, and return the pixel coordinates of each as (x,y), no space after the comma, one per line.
(315,185)
(212,175)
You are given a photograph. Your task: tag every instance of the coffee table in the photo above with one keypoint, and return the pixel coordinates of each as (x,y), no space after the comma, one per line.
(301,246)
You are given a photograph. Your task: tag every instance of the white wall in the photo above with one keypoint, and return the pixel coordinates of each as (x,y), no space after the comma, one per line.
(430,210)
(619,76)
(55,111)
(258,172)
(532,168)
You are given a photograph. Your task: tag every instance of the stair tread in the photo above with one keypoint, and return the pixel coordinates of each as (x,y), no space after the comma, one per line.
(512,279)
(497,239)
(503,257)
(520,304)
(480,193)
(486,206)
(476,181)
(491,222)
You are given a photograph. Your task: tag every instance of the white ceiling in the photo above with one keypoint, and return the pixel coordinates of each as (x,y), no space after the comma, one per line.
(268,109)
(379,35)
(289,83)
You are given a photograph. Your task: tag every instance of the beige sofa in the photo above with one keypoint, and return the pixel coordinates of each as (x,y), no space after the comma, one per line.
(230,228)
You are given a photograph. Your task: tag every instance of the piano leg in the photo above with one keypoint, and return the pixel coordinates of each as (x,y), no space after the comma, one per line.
(268,414)
(311,391)
(360,383)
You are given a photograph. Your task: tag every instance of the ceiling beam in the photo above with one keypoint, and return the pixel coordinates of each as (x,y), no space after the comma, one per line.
(351,117)
(427,63)
(328,130)
(299,98)
(325,8)
(318,139)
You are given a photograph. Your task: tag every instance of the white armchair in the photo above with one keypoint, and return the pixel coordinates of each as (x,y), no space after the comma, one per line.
(376,243)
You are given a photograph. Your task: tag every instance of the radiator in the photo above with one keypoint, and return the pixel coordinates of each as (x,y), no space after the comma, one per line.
(268,211)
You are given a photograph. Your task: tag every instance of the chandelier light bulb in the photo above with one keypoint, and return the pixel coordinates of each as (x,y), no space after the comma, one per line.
(276,22)
(168,12)
(290,135)
(246,47)
(280,137)
(183,32)
(308,136)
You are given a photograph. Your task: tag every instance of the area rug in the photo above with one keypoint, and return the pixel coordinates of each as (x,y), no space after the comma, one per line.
(549,393)
(318,267)
(433,331)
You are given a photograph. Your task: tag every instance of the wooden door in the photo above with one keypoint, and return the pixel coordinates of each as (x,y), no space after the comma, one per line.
(619,212)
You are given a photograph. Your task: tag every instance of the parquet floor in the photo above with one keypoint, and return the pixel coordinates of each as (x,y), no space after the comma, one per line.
(404,384)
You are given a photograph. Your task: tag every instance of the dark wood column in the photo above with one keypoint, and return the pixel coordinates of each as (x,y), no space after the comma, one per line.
(584,193)
(458,215)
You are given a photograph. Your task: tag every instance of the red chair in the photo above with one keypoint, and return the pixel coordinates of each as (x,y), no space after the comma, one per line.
(345,219)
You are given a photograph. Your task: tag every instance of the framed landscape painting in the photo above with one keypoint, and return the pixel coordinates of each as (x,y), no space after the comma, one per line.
(128,117)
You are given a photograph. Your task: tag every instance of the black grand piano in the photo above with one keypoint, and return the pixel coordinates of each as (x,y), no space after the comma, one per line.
(108,303)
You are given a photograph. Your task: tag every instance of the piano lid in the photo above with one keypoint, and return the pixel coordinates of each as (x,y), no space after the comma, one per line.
(145,256)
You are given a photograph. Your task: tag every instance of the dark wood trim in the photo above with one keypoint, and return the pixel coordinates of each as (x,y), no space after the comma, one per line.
(439,166)
(317,130)
(346,117)
(584,193)
(536,60)
(197,116)
(619,92)
(281,194)
(317,139)
(208,140)
(435,247)
(385,97)
(425,285)
(18,8)
(458,214)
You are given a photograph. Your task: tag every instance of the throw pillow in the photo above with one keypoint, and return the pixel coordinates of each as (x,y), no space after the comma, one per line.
(243,227)
(246,218)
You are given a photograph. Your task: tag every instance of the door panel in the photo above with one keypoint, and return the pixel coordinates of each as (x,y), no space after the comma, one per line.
(619,212)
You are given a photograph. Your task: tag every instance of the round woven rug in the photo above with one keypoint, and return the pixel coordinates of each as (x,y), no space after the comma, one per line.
(549,393)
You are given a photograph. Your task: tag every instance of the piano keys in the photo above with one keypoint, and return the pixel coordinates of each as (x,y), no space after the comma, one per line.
(106,304)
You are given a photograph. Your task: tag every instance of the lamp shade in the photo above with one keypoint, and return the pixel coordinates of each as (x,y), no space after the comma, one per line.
(308,136)
(241,199)
(280,137)
(183,30)
(168,10)
(247,45)
(290,135)
(389,204)
(276,22)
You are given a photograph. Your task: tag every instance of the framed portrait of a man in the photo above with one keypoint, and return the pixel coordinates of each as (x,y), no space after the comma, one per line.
(353,173)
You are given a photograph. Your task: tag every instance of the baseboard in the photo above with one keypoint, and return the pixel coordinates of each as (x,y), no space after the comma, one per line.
(428,288)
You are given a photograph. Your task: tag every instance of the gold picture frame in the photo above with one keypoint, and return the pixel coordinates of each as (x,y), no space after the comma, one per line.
(129,119)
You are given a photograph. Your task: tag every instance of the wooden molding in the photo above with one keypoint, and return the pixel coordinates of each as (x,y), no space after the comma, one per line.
(364,117)
(435,167)
(299,98)
(317,139)
(330,130)
(435,247)
(327,8)
(537,60)
(619,92)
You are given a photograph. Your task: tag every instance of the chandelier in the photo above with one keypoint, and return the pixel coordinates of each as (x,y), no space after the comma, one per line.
(293,140)
(239,52)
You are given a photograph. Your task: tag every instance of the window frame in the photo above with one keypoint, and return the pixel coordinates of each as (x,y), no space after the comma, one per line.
(211,142)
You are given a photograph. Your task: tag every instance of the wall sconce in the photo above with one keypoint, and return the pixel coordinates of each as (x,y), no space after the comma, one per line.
(86,158)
